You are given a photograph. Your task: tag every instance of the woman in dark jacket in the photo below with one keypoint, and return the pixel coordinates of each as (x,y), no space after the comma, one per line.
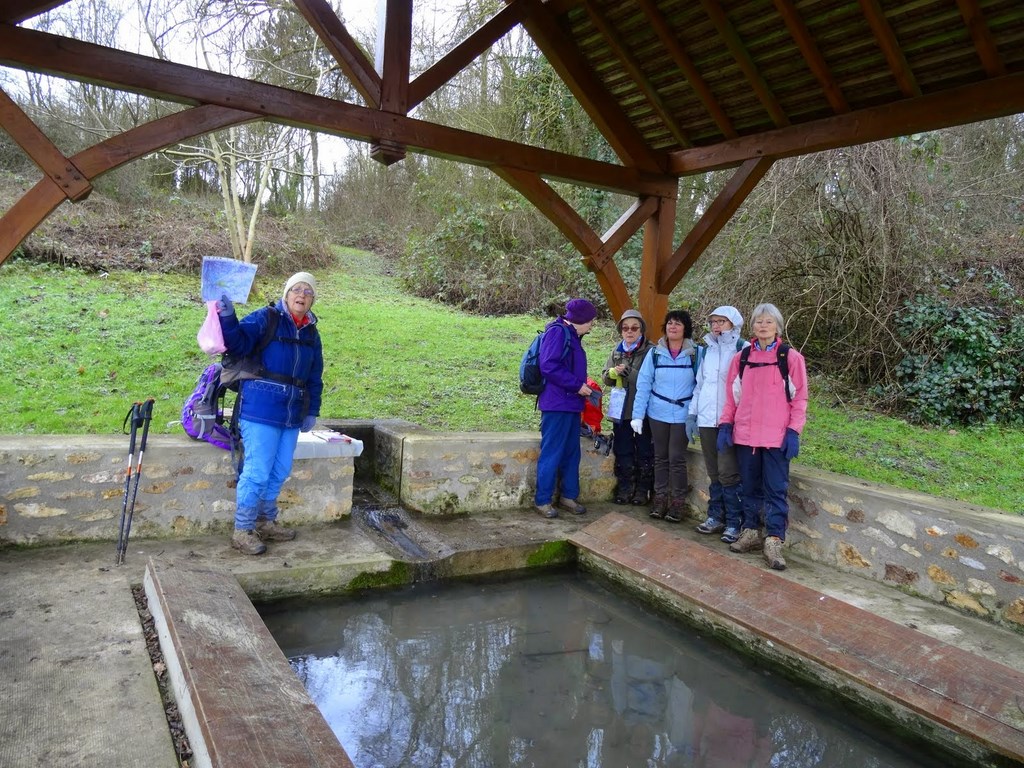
(634,453)
(275,407)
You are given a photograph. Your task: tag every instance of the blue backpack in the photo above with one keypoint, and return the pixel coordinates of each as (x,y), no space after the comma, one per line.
(530,380)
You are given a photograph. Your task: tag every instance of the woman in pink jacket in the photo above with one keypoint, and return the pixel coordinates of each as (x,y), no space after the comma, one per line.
(764,414)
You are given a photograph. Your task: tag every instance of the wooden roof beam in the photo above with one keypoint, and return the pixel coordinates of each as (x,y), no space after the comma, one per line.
(890,46)
(678,54)
(630,64)
(394,47)
(614,125)
(42,52)
(576,230)
(17,11)
(466,52)
(36,204)
(998,97)
(343,47)
(742,57)
(981,35)
(62,171)
(812,55)
(628,225)
(715,217)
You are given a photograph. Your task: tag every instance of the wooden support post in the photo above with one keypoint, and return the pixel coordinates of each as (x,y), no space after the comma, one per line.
(653,299)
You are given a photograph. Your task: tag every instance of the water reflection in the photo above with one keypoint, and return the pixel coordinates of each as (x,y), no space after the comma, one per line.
(550,672)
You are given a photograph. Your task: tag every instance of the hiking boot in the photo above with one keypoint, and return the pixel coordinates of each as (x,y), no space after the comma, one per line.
(247,542)
(269,530)
(749,540)
(676,510)
(773,553)
(711,525)
(623,498)
(546,510)
(571,505)
(659,507)
(641,498)
(730,535)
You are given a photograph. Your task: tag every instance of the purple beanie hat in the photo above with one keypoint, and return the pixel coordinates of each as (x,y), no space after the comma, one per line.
(580,311)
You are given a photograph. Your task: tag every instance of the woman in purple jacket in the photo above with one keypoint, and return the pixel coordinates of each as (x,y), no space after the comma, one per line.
(563,364)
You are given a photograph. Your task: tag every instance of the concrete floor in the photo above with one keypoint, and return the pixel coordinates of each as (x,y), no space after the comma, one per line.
(77,679)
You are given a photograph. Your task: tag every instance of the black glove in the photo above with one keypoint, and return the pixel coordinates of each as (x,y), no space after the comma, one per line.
(224,307)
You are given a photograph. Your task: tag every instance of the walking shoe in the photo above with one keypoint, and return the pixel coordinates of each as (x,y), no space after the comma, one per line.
(659,506)
(622,498)
(773,553)
(748,541)
(247,542)
(640,498)
(676,510)
(730,535)
(711,525)
(546,510)
(571,505)
(269,530)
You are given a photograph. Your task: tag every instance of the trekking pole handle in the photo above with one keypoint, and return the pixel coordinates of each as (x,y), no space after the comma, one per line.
(145,415)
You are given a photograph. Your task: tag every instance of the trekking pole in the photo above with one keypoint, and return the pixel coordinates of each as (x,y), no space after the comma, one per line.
(145,416)
(133,417)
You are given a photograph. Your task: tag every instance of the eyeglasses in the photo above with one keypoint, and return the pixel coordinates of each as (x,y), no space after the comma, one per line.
(630,328)
(301,291)
(718,321)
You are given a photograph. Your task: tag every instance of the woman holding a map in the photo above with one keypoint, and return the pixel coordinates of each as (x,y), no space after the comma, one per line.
(274,408)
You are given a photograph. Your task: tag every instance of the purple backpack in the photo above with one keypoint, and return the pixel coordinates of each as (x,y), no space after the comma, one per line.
(202,416)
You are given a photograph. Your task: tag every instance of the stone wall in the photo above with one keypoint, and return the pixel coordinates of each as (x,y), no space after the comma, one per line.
(62,488)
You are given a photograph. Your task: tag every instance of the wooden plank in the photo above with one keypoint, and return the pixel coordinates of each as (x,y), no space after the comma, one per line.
(809,50)
(973,700)
(715,217)
(343,47)
(241,703)
(890,46)
(466,52)
(629,222)
(17,11)
(981,35)
(41,52)
(982,101)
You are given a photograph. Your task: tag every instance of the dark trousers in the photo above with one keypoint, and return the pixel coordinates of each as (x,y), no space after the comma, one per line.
(559,459)
(765,476)
(634,457)
(669,458)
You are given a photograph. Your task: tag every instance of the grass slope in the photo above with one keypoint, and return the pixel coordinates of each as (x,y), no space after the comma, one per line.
(77,349)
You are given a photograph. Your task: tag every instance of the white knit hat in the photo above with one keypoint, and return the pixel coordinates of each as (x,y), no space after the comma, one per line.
(300,277)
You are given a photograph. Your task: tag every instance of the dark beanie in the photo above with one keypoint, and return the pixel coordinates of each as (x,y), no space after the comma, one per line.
(580,311)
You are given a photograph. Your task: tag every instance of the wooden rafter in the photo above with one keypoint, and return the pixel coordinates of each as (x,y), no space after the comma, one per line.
(36,204)
(636,72)
(41,52)
(809,50)
(715,217)
(613,124)
(890,46)
(994,98)
(62,171)
(17,11)
(739,52)
(343,47)
(577,231)
(466,52)
(981,36)
(682,60)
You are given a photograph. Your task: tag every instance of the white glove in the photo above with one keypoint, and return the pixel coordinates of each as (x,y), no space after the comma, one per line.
(637,425)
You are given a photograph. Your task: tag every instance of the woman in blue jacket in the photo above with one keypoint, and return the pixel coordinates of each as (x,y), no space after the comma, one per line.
(664,387)
(275,407)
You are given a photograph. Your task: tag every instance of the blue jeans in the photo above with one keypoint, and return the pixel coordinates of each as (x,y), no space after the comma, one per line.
(559,456)
(268,462)
(765,476)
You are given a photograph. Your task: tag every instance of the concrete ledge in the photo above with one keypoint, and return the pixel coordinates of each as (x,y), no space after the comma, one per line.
(239,699)
(965,703)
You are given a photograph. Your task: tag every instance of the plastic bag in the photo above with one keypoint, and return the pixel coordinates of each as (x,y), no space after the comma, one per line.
(210,338)
(616,400)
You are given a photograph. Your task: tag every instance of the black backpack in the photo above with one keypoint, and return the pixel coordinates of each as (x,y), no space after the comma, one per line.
(530,380)
(781,360)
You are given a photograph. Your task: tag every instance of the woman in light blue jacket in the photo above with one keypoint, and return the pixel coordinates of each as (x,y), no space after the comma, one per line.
(664,387)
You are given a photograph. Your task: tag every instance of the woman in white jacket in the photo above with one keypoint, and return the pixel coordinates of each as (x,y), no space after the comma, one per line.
(725,505)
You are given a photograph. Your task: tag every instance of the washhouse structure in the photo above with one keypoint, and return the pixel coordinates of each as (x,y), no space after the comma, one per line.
(676,87)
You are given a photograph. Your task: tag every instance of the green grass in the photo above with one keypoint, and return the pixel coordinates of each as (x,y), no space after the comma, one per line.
(77,349)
